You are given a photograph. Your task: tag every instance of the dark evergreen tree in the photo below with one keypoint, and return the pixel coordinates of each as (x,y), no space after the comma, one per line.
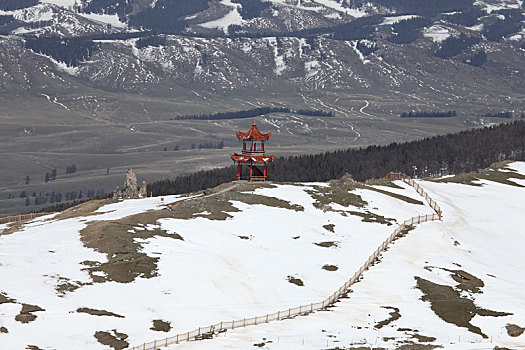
(6,19)
(454,45)
(252,8)
(478,59)
(68,50)
(408,30)
(9,5)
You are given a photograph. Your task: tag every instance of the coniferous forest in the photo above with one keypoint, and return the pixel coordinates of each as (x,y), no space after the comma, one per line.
(448,154)
(255,112)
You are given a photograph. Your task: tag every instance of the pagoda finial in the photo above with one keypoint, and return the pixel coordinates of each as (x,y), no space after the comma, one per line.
(254,124)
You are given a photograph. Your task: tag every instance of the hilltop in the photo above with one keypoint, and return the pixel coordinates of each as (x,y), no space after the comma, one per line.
(126,272)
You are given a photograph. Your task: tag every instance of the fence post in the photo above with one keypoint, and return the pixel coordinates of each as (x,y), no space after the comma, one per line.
(300,309)
(256,320)
(244,322)
(166,341)
(199,333)
(220,327)
(155,344)
(278,314)
(177,340)
(266,318)
(289,312)
(311,307)
(188,337)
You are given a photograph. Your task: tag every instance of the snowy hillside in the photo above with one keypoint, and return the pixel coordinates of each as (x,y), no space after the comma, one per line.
(124,273)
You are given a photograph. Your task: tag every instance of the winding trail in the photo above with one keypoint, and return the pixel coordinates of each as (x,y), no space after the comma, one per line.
(209,331)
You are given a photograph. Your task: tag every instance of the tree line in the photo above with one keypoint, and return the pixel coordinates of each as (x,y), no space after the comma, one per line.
(506,115)
(10,5)
(503,27)
(255,112)
(452,46)
(68,50)
(5,19)
(252,8)
(440,155)
(408,30)
(428,114)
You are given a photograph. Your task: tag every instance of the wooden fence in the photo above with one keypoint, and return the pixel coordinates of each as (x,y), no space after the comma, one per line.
(21,217)
(205,332)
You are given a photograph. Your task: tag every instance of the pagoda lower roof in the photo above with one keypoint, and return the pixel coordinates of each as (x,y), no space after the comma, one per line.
(241,158)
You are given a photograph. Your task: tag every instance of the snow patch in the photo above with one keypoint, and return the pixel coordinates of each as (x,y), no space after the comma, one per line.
(113,20)
(436,33)
(395,19)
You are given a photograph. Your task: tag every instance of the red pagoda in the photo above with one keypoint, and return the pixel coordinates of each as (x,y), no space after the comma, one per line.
(253,153)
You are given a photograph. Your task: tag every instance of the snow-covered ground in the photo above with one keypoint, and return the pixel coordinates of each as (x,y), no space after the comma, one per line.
(239,267)
(482,233)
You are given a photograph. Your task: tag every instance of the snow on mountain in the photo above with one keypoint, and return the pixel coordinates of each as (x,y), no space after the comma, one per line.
(248,250)
(232,17)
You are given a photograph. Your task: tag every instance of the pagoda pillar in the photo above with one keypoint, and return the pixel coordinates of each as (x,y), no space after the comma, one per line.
(239,171)
(265,171)
(251,171)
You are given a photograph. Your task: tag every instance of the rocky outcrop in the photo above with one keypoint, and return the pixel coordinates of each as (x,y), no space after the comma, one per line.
(130,189)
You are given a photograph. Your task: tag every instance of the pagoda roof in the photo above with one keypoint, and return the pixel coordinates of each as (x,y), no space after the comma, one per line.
(253,134)
(250,158)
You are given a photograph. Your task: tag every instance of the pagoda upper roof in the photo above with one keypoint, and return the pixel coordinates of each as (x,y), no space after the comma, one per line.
(251,158)
(253,134)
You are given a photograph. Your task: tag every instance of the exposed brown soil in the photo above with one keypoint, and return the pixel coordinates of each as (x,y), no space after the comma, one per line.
(3,330)
(326,244)
(125,262)
(4,299)
(336,193)
(96,312)
(414,346)
(447,304)
(84,209)
(329,227)
(296,281)
(218,207)
(514,330)
(330,268)
(394,195)
(161,326)
(12,228)
(25,315)
(371,217)
(423,339)
(394,315)
(382,182)
(115,340)
(492,173)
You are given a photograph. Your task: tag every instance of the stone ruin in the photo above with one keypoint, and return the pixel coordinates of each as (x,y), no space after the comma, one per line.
(130,189)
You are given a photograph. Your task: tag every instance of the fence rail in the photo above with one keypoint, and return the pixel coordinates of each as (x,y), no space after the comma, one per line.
(21,217)
(203,332)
